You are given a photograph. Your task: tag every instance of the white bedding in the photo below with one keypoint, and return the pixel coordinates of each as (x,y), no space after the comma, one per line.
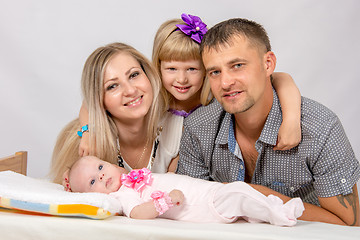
(21,226)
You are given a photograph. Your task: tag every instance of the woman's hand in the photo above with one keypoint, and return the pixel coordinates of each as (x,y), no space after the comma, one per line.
(84,149)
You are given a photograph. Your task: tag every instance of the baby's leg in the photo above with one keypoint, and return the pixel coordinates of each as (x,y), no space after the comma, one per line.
(241,200)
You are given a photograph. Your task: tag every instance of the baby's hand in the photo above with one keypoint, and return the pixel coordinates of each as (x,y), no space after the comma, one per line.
(84,145)
(177,197)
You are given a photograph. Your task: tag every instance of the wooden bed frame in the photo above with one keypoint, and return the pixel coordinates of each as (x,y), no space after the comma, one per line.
(16,162)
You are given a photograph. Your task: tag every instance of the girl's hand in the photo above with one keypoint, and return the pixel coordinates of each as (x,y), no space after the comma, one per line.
(289,134)
(177,197)
(84,148)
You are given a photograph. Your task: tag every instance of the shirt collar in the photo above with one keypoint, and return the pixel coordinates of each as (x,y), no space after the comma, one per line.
(271,128)
(268,134)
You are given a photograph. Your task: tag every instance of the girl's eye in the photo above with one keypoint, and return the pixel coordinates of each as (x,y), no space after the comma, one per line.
(172,69)
(100,167)
(92,182)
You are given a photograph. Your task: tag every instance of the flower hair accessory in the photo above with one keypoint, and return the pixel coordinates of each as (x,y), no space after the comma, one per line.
(195,28)
(137,179)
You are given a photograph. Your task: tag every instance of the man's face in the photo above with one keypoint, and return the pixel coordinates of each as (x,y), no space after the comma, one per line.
(238,74)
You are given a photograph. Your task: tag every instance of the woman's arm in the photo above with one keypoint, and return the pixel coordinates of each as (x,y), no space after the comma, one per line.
(289,134)
(84,148)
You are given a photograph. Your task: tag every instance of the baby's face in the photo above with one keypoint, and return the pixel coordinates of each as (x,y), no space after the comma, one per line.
(91,174)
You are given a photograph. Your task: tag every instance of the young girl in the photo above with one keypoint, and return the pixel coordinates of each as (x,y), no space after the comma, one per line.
(144,195)
(177,59)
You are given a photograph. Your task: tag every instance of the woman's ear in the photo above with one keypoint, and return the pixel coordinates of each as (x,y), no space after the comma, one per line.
(270,62)
(65,181)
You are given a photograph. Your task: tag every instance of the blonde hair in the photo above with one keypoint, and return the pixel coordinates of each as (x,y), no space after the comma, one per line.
(66,150)
(102,130)
(171,44)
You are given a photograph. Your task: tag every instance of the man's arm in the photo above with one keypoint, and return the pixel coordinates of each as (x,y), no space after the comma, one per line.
(190,161)
(346,207)
(342,210)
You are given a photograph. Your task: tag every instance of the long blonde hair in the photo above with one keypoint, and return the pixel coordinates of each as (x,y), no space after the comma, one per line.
(66,150)
(102,130)
(170,44)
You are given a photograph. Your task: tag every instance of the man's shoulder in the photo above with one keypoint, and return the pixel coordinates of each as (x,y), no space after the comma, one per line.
(206,114)
(313,109)
(316,118)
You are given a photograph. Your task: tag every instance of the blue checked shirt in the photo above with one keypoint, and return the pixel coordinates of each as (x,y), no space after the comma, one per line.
(322,165)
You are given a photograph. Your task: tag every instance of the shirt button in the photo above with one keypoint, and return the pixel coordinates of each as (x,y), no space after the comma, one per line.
(343,180)
(292,189)
(241,167)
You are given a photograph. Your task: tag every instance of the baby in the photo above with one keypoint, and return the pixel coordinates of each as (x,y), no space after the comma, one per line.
(146,195)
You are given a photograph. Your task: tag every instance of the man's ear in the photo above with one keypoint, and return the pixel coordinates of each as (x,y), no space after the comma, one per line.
(270,62)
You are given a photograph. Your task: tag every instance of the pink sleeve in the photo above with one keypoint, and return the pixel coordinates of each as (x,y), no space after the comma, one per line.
(128,199)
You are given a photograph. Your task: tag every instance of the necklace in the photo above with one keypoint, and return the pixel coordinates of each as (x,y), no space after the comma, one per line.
(121,159)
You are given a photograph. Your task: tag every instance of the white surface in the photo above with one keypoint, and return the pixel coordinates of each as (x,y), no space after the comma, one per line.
(44,45)
(23,188)
(18,226)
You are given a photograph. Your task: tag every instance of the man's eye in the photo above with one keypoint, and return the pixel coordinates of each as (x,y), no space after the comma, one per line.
(92,182)
(239,65)
(191,69)
(214,73)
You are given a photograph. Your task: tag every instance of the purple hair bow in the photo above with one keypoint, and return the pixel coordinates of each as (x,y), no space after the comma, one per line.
(195,28)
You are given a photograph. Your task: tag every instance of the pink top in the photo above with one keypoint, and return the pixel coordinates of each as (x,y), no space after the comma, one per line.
(197,207)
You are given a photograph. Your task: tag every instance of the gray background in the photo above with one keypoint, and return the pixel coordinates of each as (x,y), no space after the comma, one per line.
(44,45)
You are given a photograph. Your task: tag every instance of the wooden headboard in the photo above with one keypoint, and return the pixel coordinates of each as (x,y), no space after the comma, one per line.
(16,162)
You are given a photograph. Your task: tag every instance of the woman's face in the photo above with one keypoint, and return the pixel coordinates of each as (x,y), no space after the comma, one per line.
(128,93)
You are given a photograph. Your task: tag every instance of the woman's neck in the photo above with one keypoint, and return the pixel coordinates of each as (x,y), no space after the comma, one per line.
(132,133)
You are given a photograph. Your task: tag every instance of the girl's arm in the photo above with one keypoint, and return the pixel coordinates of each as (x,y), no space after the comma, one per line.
(289,134)
(84,148)
(148,210)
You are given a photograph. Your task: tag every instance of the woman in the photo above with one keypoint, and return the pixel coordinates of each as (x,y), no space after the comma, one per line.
(122,110)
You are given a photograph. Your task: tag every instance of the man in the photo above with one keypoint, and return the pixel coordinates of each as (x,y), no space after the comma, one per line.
(233,138)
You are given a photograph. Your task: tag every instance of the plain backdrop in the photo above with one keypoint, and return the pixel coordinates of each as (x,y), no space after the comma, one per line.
(44,45)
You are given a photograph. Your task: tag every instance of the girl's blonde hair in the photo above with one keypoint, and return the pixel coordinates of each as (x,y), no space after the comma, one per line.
(170,44)
(102,130)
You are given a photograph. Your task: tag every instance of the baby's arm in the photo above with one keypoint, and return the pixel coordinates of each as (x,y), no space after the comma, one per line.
(84,149)
(148,210)
(289,134)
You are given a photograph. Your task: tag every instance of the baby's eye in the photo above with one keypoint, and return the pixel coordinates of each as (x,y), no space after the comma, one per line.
(92,182)
(101,167)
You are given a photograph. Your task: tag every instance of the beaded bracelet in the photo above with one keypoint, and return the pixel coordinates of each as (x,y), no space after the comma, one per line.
(83,129)
(162,201)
